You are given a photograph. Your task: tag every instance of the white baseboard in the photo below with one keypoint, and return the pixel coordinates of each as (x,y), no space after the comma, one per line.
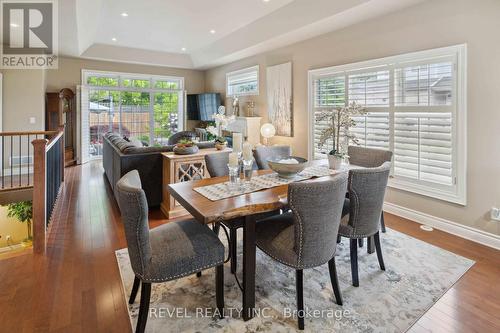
(472,234)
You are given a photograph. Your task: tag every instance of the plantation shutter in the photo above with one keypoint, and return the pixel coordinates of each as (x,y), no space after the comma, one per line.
(415,106)
(423,122)
(329,93)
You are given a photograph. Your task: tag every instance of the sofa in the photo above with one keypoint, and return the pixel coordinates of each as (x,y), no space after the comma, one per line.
(121,156)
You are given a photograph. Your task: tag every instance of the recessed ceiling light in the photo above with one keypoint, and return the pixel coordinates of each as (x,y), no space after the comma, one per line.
(266,0)
(113,39)
(124,14)
(183,49)
(14,25)
(212,31)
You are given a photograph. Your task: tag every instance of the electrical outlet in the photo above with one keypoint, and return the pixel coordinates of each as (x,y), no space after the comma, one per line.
(495,214)
(32,120)
(8,237)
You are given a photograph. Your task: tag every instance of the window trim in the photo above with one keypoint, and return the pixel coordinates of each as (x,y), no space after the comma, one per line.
(255,68)
(459,52)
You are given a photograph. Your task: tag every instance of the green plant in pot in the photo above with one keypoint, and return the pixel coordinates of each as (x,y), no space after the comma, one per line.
(220,141)
(339,120)
(23,212)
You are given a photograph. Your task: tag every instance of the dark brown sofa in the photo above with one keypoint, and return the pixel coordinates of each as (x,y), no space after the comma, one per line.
(121,156)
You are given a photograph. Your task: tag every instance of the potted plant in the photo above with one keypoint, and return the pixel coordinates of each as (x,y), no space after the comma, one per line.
(23,212)
(339,121)
(220,141)
(185,147)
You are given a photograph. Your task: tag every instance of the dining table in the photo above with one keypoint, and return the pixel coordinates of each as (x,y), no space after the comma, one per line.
(247,207)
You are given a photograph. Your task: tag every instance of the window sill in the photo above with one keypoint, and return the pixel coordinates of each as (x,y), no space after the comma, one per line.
(427,191)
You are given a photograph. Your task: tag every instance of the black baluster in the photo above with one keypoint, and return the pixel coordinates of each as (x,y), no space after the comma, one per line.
(3,182)
(11,150)
(20,162)
(27,184)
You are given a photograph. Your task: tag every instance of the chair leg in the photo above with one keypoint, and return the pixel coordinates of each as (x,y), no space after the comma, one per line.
(219,289)
(361,242)
(339,239)
(300,297)
(335,281)
(135,289)
(144,307)
(233,239)
(370,248)
(354,262)
(376,239)
(198,274)
(382,222)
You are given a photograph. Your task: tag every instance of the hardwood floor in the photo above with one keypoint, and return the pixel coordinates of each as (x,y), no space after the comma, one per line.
(76,286)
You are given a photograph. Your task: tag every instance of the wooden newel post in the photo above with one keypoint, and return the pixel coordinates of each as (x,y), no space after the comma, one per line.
(39,198)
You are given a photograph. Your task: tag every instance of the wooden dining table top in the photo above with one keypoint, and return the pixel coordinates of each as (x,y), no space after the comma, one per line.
(207,211)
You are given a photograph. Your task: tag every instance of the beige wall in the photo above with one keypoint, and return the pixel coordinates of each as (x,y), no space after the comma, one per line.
(11,227)
(23,97)
(433,24)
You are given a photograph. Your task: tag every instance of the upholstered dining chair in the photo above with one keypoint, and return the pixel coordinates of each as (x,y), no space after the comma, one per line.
(217,167)
(369,158)
(167,252)
(302,237)
(361,211)
(263,153)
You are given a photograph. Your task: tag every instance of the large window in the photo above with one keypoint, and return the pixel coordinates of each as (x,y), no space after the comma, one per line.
(243,82)
(415,107)
(146,108)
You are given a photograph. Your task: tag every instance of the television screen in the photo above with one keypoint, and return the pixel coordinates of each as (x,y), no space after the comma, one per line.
(203,106)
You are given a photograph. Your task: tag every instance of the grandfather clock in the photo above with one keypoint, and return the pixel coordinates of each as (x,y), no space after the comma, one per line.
(60,110)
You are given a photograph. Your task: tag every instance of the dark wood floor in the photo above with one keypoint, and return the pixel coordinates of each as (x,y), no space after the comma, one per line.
(76,286)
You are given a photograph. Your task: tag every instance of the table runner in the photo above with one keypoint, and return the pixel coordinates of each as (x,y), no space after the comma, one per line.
(223,191)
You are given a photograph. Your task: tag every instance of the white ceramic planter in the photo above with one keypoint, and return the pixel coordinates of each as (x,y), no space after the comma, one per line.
(335,162)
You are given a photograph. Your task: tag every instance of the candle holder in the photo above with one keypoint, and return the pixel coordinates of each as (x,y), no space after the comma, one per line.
(234,177)
(247,172)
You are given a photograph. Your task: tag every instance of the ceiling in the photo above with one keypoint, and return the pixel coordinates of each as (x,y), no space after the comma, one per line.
(179,33)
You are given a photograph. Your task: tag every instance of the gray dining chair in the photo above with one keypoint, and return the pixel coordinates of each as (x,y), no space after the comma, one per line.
(217,167)
(167,252)
(361,211)
(302,238)
(263,153)
(369,158)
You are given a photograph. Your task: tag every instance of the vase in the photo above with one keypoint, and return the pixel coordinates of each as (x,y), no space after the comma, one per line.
(220,146)
(335,162)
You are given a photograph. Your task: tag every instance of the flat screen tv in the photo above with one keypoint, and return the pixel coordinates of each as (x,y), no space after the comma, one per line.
(202,106)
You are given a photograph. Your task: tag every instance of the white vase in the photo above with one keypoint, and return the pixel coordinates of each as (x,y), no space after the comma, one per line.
(335,162)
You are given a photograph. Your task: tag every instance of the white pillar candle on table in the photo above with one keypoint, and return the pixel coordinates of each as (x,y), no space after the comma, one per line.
(237,141)
(247,151)
(233,159)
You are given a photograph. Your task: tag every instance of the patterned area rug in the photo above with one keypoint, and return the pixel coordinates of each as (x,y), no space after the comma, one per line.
(417,275)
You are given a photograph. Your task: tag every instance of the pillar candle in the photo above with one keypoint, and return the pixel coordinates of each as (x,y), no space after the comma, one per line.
(237,141)
(233,159)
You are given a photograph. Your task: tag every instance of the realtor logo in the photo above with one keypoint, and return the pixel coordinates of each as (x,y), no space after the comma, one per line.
(29,34)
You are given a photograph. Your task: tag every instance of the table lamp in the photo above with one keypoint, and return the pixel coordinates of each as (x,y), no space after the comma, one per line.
(267,131)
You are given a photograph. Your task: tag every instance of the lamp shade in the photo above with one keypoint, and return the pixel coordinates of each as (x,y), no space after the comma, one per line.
(267,130)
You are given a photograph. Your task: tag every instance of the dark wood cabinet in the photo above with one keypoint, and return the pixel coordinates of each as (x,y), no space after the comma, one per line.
(61,111)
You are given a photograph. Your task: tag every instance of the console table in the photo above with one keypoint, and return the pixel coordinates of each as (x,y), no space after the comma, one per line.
(182,168)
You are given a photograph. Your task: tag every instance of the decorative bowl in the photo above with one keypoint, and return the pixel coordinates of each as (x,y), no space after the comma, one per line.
(287,170)
(220,146)
(186,150)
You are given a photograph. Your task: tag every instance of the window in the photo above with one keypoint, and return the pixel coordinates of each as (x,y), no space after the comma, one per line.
(243,82)
(143,107)
(415,107)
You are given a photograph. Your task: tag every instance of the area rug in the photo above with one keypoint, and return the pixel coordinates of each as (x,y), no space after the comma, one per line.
(417,275)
